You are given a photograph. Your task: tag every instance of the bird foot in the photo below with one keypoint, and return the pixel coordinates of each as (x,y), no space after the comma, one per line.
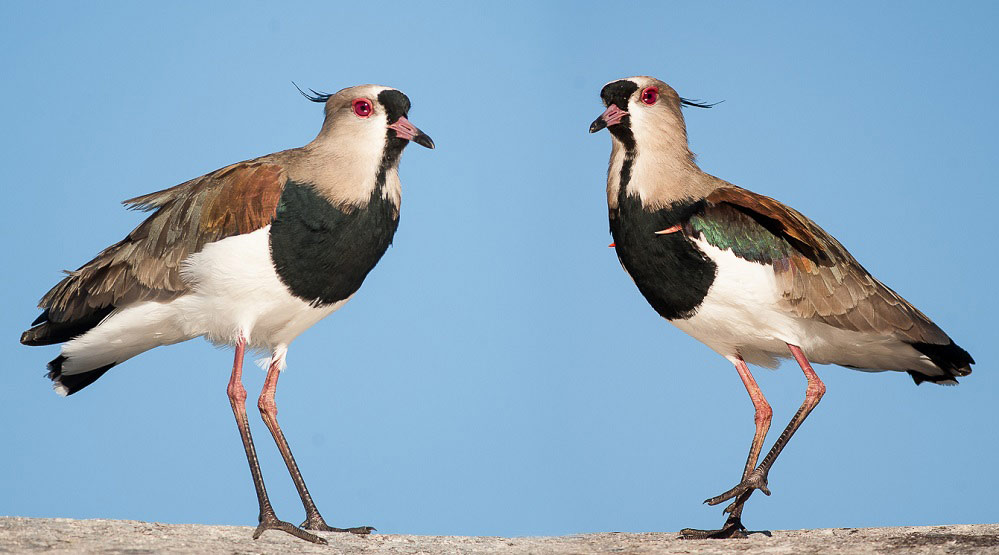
(316,522)
(270,522)
(733,529)
(756,480)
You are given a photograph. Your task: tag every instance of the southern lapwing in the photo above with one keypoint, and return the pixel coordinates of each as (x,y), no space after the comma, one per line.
(250,255)
(753,279)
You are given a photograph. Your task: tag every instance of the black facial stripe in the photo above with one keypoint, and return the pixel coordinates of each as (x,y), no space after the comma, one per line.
(396,104)
(622,132)
(390,158)
(618,92)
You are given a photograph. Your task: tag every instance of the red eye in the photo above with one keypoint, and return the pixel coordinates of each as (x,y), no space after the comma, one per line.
(362,107)
(650,95)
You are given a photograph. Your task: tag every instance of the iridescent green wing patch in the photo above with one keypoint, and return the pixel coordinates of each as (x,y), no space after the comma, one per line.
(728,228)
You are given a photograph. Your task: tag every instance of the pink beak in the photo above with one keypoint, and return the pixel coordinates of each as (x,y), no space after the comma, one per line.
(611,116)
(406,130)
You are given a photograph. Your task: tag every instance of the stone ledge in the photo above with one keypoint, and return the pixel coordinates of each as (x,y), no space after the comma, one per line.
(61,535)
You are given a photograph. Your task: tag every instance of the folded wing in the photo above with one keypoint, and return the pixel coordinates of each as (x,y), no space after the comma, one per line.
(817,277)
(145,265)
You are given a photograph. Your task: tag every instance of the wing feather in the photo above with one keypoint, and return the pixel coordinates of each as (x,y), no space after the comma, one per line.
(146,264)
(818,277)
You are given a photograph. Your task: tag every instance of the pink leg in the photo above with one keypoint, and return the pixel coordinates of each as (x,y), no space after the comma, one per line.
(237,398)
(268,411)
(733,526)
(757,479)
(763,415)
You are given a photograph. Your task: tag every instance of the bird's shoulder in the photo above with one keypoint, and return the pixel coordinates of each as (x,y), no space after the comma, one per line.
(763,229)
(236,199)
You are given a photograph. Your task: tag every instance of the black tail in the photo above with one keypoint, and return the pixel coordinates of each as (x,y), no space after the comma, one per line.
(45,331)
(68,384)
(953,360)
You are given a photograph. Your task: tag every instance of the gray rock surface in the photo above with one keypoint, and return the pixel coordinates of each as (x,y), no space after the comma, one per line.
(60,535)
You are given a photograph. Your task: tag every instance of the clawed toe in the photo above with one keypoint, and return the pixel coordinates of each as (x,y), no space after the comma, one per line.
(733,529)
(755,480)
(316,522)
(272,523)
(357,530)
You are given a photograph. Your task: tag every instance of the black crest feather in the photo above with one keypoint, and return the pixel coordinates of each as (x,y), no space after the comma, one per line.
(697,103)
(316,96)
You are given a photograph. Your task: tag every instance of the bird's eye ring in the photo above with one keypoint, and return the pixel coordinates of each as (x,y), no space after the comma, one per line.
(362,107)
(650,95)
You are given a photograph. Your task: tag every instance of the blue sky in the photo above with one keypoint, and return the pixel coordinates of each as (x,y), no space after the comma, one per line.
(498,373)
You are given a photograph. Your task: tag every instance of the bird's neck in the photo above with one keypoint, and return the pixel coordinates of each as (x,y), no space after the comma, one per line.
(658,171)
(348,173)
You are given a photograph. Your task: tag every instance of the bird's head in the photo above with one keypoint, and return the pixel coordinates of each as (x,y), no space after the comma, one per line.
(642,109)
(370,113)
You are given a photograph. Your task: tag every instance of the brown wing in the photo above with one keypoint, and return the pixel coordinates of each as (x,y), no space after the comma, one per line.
(819,279)
(145,265)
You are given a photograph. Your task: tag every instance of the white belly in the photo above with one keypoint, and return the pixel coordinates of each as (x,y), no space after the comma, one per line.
(234,292)
(738,316)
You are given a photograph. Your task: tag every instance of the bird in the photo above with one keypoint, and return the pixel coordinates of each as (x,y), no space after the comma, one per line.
(250,255)
(752,278)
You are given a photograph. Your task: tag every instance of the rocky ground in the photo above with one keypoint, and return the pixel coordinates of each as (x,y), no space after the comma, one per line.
(59,535)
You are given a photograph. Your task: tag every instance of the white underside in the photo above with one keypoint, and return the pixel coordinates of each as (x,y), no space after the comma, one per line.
(741,316)
(235,293)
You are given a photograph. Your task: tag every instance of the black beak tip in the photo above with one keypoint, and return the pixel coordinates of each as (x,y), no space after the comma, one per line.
(424,140)
(597,125)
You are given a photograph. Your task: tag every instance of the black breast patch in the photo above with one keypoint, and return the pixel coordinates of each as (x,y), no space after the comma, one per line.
(322,252)
(670,271)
